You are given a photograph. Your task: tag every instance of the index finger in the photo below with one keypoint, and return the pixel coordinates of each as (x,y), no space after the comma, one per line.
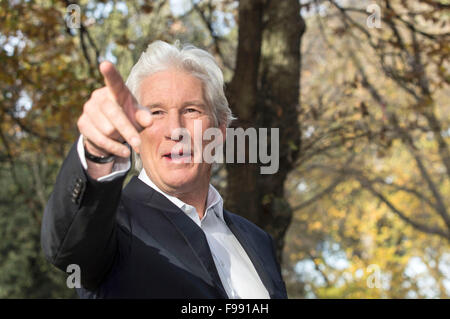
(114,81)
(122,124)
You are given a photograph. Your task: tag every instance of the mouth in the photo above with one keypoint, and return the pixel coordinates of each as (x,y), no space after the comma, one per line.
(180,157)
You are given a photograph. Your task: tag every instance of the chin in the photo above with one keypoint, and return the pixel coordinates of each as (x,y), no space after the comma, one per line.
(178,180)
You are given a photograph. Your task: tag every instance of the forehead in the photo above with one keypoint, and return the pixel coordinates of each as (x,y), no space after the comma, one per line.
(170,86)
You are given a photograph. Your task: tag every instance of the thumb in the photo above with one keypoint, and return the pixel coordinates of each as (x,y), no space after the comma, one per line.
(143,117)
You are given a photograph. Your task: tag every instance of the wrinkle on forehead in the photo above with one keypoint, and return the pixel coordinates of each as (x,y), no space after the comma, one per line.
(173,88)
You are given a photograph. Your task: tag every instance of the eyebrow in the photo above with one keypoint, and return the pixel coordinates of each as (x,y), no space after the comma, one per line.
(187,103)
(153,105)
(195,103)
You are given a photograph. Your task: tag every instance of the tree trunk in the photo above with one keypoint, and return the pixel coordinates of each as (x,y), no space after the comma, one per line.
(264,93)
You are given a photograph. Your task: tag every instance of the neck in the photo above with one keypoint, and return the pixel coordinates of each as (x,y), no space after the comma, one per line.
(196,199)
(196,195)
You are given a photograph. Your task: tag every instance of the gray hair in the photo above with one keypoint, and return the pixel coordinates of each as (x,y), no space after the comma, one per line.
(160,56)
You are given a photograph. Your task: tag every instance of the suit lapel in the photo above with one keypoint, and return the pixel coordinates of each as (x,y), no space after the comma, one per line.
(193,236)
(251,249)
(196,240)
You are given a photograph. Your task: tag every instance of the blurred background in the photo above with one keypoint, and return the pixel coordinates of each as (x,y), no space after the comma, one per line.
(360,206)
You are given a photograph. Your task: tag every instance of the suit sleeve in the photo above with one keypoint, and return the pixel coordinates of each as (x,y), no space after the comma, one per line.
(79,223)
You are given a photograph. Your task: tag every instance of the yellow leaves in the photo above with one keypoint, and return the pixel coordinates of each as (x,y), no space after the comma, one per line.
(367,230)
(340,105)
(315,226)
(336,213)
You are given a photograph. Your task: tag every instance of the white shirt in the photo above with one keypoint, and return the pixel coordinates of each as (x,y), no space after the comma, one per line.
(236,271)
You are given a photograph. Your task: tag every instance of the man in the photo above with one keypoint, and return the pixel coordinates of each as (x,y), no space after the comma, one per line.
(166,235)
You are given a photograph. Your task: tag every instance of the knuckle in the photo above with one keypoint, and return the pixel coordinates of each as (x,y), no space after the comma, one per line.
(96,93)
(117,149)
(129,131)
(81,122)
(111,114)
(111,111)
(103,143)
(108,129)
(87,107)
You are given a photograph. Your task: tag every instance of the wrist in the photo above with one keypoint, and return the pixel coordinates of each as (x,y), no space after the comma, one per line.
(96,154)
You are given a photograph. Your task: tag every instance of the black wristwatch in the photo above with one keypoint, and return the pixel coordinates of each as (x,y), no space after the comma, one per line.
(98,159)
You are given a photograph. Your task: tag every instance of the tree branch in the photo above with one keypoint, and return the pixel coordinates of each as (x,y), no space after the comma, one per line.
(419,226)
(215,38)
(325,191)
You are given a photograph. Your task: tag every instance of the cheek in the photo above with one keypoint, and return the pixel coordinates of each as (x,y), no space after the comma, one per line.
(197,130)
(149,141)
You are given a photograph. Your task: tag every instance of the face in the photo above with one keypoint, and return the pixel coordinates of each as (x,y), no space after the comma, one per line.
(175,100)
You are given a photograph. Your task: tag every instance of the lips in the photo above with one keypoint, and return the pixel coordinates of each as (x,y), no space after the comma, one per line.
(180,154)
(172,156)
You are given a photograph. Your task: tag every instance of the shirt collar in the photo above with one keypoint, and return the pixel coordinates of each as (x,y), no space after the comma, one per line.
(214,201)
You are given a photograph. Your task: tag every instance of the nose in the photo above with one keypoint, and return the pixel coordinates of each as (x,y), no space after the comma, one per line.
(174,126)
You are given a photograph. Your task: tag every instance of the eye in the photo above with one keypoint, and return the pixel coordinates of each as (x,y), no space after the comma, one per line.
(156,112)
(191,110)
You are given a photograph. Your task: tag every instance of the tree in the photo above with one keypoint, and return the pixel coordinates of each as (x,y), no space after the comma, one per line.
(50,68)
(264,93)
(369,138)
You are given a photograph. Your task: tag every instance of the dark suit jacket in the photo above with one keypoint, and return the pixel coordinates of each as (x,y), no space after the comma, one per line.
(135,243)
